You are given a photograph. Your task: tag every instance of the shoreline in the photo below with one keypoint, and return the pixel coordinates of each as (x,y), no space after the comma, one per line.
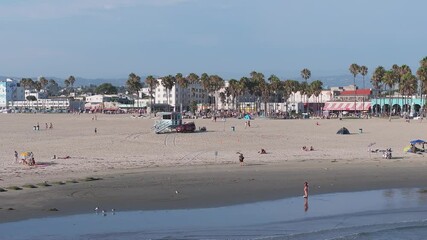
(206,187)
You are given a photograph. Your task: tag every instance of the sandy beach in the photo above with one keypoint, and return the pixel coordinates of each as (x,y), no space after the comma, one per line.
(142,170)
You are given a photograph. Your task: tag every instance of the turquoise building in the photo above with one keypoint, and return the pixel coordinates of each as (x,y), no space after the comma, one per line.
(397,105)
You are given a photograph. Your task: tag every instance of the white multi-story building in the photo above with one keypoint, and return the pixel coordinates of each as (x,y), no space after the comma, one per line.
(59,103)
(178,96)
(10,91)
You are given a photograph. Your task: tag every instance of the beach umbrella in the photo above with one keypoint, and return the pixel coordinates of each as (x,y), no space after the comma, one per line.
(407,149)
(417,141)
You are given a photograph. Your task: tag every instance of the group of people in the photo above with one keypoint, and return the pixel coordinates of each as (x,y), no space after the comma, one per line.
(26,159)
(47,126)
(304,148)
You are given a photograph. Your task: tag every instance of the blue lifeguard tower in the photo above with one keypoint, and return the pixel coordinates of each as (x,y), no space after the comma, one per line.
(167,122)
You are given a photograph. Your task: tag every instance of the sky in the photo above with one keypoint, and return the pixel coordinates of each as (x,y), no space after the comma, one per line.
(231,38)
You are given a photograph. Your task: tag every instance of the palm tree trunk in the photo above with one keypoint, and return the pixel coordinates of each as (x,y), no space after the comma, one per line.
(390,107)
(354,85)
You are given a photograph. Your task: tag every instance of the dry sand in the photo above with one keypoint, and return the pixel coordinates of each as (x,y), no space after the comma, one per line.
(143,170)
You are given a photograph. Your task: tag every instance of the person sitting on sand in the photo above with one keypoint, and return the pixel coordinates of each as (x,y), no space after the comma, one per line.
(31,162)
(311,148)
(262,151)
(304,148)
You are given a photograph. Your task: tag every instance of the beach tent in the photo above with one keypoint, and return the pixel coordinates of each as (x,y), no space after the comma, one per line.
(343,130)
(413,147)
(247,117)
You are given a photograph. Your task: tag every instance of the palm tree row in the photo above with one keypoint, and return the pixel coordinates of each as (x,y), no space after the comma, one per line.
(256,87)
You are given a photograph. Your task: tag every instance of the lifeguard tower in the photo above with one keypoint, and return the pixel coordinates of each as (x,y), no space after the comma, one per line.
(167,122)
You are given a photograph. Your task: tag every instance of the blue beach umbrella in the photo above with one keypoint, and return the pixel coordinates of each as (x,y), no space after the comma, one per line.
(417,141)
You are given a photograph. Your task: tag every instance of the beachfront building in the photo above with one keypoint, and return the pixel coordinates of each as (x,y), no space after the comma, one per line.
(179,98)
(98,103)
(10,90)
(399,105)
(344,100)
(300,103)
(57,104)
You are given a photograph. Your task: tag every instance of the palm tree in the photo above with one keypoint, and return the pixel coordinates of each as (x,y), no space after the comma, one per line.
(183,83)
(377,79)
(265,90)
(243,87)
(152,84)
(216,83)
(168,82)
(303,88)
(27,83)
(354,69)
(276,86)
(290,87)
(205,81)
(43,81)
(256,80)
(67,83)
(38,85)
(193,79)
(134,84)
(233,90)
(422,76)
(316,88)
(408,86)
(71,80)
(423,62)
(305,74)
(401,72)
(389,79)
(363,70)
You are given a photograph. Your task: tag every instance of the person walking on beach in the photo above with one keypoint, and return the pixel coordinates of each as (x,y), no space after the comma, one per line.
(96,131)
(241,158)
(305,189)
(16,156)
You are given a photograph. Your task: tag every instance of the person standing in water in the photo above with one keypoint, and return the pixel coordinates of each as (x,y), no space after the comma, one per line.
(305,189)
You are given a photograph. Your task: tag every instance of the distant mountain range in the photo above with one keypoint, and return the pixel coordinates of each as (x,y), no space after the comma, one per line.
(328,81)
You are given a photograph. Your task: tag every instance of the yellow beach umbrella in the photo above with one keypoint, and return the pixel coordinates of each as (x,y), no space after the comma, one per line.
(407,149)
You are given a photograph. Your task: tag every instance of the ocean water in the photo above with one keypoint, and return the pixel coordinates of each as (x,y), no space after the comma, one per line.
(383,214)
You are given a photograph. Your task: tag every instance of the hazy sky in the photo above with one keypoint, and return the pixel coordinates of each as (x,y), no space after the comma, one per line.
(111,38)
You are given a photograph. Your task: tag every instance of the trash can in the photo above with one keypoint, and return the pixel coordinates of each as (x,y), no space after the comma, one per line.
(360,130)
(233,128)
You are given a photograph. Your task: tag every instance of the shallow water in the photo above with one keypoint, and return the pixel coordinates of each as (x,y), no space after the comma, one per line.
(384,214)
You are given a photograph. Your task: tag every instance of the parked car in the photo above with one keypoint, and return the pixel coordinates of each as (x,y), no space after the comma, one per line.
(186,127)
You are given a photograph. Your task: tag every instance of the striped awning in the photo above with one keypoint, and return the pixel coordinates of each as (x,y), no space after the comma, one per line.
(347,106)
